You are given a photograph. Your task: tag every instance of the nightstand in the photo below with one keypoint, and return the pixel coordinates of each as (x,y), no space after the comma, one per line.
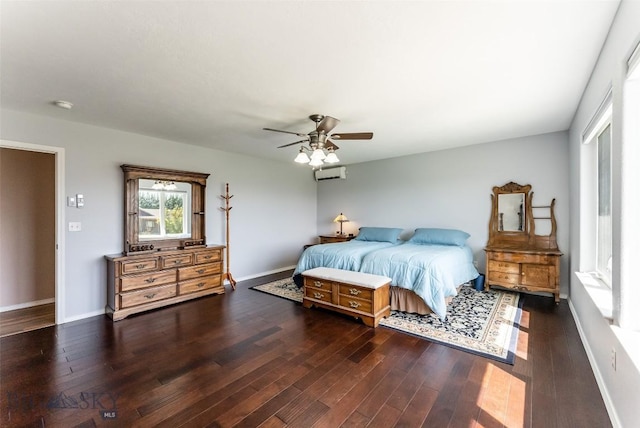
(328,239)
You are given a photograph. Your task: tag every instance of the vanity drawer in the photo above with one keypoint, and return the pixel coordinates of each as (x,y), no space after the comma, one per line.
(315,283)
(505,267)
(176,261)
(139,266)
(318,294)
(353,303)
(197,271)
(502,278)
(208,256)
(147,280)
(140,297)
(520,258)
(355,291)
(199,284)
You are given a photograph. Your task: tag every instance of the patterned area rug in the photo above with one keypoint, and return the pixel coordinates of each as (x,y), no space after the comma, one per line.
(484,323)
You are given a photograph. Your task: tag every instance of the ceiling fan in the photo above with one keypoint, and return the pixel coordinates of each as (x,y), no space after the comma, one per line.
(319,140)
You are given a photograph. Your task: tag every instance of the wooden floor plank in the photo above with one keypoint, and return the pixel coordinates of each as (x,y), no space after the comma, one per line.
(246,358)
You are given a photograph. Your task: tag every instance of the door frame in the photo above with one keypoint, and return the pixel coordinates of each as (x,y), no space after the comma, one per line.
(58,152)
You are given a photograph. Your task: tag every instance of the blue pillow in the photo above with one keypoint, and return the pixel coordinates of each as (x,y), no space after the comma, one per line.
(440,237)
(380,234)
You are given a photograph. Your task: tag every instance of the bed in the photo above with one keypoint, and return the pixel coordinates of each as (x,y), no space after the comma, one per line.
(425,271)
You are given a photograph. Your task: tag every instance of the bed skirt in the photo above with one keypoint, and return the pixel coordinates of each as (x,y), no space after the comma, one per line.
(404,300)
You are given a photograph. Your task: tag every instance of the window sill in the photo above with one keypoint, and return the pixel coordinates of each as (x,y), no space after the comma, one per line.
(602,297)
(599,292)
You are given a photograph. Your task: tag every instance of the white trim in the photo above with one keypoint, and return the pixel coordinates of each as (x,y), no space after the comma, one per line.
(101,312)
(606,397)
(257,275)
(633,61)
(26,305)
(60,217)
(599,118)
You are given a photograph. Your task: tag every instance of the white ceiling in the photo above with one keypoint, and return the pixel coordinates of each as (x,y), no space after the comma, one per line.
(421,75)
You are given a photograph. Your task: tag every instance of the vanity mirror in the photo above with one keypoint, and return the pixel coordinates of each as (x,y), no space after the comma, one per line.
(164,209)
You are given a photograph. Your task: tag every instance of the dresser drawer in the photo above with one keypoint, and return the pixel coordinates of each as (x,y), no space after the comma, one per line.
(355,291)
(504,267)
(521,258)
(141,297)
(147,280)
(502,278)
(140,265)
(208,256)
(197,271)
(353,303)
(317,294)
(176,261)
(315,283)
(199,284)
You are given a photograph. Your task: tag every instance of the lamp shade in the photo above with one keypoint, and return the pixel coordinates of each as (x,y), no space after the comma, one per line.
(332,158)
(302,158)
(340,219)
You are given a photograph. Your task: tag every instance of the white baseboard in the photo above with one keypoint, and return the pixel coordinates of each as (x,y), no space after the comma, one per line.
(27,305)
(608,402)
(257,275)
(83,316)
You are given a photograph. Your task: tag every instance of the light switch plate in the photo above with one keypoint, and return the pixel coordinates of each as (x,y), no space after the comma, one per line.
(79,200)
(71,201)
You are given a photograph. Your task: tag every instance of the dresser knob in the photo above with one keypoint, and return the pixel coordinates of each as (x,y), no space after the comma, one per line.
(354,291)
(354,304)
(318,295)
(150,296)
(150,280)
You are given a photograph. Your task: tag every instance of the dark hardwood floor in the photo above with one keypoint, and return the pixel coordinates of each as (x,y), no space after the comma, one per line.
(249,359)
(27,319)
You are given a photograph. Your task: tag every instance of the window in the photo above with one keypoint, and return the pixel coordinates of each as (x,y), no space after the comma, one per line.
(604,225)
(161,214)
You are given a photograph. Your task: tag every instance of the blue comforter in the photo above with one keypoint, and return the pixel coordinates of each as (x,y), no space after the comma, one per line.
(340,255)
(433,272)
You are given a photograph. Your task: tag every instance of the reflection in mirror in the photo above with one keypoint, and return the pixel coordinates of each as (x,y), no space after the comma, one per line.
(511,212)
(164,209)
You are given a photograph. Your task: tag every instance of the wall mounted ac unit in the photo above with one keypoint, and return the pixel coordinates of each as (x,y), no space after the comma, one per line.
(331,173)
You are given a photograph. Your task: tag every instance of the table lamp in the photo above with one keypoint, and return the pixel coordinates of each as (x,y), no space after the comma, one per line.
(340,219)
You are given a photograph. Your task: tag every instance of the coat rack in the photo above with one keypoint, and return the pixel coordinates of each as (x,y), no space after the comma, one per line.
(227,275)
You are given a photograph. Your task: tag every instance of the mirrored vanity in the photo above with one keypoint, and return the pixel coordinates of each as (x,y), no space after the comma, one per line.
(165,258)
(516,257)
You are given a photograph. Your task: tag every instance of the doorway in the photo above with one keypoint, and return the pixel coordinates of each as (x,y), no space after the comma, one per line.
(32,225)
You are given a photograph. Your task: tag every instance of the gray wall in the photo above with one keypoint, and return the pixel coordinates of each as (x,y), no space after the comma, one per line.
(274,204)
(451,189)
(620,387)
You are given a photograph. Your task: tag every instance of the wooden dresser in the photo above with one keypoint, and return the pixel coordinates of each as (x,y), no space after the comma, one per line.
(140,282)
(517,258)
(524,270)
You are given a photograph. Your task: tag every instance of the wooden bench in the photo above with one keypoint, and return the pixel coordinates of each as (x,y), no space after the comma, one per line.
(360,295)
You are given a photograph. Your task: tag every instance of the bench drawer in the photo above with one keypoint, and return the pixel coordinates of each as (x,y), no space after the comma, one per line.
(356,291)
(353,303)
(318,294)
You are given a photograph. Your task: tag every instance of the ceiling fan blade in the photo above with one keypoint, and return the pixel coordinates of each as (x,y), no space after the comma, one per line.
(327,124)
(330,145)
(286,132)
(293,144)
(353,136)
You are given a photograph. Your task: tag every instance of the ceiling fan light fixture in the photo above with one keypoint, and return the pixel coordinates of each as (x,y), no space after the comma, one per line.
(315,162)
(332,158)
(302,157)
(318,154)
